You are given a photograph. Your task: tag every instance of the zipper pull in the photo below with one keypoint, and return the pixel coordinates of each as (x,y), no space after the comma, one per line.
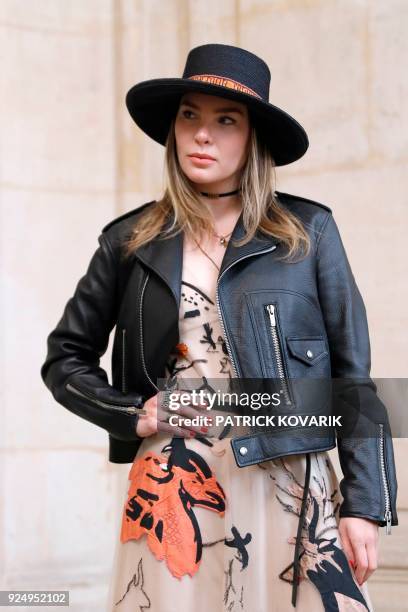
(388,519)
(271,310)
(136,410)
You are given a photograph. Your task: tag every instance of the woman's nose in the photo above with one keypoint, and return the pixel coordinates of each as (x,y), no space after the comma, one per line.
(202,134)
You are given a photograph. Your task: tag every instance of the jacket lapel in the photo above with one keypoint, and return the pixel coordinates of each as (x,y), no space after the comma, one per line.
(257,244)
(165,257)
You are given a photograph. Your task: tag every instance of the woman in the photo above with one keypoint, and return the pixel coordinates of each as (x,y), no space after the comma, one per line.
(225,279)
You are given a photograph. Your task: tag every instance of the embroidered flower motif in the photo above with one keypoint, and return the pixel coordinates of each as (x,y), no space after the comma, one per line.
(322,559)
(316,554)
(163,492)
(181,349)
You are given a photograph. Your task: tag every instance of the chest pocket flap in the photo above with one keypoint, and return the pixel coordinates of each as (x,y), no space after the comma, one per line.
(309,349)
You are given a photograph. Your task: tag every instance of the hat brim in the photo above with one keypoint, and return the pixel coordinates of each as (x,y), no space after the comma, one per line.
(154,103)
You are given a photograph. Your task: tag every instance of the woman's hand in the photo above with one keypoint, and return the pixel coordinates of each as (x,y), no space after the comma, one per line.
(359,537)
(156,416)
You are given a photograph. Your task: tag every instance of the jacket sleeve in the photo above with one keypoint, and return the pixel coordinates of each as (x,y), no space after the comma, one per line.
(369,484)
(71,370)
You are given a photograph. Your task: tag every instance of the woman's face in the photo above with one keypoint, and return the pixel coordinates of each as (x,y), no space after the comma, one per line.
(217,127)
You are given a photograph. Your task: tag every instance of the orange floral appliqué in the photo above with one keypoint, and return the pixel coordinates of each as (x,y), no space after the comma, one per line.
(182,349)
(160,505)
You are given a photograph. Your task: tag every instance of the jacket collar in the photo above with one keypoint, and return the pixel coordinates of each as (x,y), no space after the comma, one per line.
(165,257)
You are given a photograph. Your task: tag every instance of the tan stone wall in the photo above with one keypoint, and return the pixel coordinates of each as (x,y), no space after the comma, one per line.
(71,159)
(58,187)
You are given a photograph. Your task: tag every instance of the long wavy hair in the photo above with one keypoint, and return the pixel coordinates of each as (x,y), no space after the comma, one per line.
(260,204)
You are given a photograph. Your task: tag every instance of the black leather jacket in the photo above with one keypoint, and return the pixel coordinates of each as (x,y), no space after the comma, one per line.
(320,314)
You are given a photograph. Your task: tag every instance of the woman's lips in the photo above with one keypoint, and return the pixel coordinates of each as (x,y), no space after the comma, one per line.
(201,161)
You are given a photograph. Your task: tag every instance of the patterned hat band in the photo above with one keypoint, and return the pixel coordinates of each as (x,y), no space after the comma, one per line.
(222,81)
(224,71)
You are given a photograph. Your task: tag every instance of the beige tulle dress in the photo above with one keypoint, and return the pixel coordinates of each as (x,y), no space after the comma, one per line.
(198,533)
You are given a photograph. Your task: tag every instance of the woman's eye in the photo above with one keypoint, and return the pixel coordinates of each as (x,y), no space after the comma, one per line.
(229,118)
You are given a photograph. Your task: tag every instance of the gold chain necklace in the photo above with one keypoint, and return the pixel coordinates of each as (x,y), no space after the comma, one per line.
(222,240)
(207,255)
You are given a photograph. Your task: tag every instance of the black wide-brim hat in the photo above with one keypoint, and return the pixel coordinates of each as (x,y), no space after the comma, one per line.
(225,71)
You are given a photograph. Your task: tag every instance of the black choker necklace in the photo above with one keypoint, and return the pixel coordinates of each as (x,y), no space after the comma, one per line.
(219,195)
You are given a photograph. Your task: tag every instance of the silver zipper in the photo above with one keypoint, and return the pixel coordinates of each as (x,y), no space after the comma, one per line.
(141,335)
(271,309)
(227,343)
(387,514)
(124,390)
(128,409)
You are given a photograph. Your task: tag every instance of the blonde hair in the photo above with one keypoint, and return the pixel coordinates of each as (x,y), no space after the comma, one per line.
(261,207)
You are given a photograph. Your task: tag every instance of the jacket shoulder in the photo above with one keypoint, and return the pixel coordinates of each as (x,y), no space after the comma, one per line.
(293,199)
(129,216)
